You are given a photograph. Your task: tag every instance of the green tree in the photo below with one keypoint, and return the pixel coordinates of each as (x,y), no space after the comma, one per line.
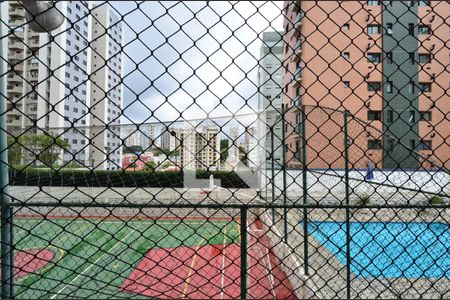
(14,151)
(167,152)
(150,166)
(224,144)
(51,148)
(133,149)
(243,155)
(45,147)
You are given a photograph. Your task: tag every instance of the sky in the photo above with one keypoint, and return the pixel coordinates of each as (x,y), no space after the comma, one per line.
(192,60)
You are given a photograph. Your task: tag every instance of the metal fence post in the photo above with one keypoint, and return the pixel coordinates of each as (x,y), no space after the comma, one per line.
(347,203)
(305,190)
(272,161)
(7,257)
(243,234)
(283,168)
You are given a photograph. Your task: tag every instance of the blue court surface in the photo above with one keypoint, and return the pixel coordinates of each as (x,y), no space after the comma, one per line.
(389,249)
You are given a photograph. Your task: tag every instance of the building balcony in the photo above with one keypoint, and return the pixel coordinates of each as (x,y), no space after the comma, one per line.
(16,12)
(296,79)
(13,56)
(18,35)
(16,23)
(16,68)
(14,78)
(14,90)
(297,24)
(33,43)
(297,51)
(33,67)
(297,104)
(16,45)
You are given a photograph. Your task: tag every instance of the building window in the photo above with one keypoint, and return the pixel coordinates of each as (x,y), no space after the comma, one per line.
(424,29)
(373,29)
(373,144)
(346,27)
(411,87)
(346,55)
(66,107)
(425,145)
(374,115)
(425,115)
(374,57)
(411,58)
(390,143)
(425,87)
(389,57)
(412,116)
(424,58)
(373,86)
(389,28)
(389,87)
(412,144)
(373,3)
(411,28)
(346,84)
(74,141)
(390,116)
(424,3)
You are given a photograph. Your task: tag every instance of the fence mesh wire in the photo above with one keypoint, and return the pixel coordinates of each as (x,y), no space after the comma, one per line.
(294,149)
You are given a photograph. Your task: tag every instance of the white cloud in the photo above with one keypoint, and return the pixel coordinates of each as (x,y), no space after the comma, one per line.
(220,53)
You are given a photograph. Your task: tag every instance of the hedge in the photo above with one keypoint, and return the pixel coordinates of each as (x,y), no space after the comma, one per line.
(87,178)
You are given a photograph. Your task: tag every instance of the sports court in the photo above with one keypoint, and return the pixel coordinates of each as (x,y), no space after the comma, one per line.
(165,258)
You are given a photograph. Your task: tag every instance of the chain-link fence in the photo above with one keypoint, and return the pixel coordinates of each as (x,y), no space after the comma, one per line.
(294,149)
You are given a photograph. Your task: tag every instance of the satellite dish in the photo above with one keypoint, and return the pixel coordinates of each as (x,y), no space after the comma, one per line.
(42,16)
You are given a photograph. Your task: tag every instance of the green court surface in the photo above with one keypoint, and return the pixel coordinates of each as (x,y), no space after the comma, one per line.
(92,258)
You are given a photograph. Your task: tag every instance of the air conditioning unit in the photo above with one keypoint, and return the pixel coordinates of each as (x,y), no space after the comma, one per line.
(390,31)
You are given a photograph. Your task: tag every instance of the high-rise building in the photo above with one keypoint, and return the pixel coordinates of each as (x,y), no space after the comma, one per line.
(70,82)
(170,138)
(200,148)
(106,88)
(25,70)
(270,99)
(383,61)
(233,158)
(251,147)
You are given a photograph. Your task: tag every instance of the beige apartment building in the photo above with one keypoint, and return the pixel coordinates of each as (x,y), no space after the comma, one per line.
(386,63)
(199,147)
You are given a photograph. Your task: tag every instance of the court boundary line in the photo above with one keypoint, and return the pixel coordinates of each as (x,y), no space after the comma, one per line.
(267,268)
(222,281)
(92,264)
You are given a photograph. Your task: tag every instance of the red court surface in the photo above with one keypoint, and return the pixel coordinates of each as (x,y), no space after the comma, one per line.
(30,261)
(210,271)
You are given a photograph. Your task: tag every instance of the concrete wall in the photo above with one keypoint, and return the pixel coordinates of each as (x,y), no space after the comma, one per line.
(390,186)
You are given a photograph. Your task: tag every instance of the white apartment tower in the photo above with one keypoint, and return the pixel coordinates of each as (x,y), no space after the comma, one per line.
(233,148)
(50,87)
(106,89)
(270,81)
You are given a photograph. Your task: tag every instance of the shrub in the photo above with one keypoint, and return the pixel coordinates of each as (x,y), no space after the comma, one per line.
(120,178)
(363,200)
